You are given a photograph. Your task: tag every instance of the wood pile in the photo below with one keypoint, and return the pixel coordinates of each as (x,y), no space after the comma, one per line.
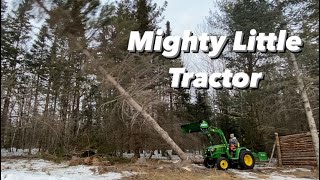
(297,149)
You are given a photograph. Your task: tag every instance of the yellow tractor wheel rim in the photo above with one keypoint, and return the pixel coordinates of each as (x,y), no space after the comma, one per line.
(224,164)
(248,160)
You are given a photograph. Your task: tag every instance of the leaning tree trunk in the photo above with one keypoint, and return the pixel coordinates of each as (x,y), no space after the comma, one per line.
(138,108)
(144,113)
(307,107)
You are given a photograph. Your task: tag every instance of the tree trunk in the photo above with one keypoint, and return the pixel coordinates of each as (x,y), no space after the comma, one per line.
(35,106)
(46,106)
(75,111)
(307,107)
(278,149)
(170,101)
(4,121)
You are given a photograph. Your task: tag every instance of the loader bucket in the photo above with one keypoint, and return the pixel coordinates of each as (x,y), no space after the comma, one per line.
(191,127)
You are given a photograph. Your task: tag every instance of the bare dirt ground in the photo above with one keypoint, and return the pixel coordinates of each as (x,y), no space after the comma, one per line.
(34,168)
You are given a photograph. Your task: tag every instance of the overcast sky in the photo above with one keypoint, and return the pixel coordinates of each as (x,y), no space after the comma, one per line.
(185,15)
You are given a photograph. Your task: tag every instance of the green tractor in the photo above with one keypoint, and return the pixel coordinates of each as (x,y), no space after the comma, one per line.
(220,154)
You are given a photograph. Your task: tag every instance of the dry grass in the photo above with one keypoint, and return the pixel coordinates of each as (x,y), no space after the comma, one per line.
(167,174)
(301,174)
(164,171)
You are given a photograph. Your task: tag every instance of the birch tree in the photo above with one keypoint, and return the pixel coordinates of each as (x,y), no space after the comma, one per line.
(307,107)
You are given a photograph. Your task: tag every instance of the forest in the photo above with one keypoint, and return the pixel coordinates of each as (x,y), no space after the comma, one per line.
(55,95)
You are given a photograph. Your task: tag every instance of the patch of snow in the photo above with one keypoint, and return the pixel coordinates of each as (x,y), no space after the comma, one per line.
(295,170)
(288,170)
(244,174)
(198,166)
(275,176)
(259,167)
(272,176)
(128,174)
(303,169)
(17,152)
(41,169)
(19,175)
(158,155)
(186,168)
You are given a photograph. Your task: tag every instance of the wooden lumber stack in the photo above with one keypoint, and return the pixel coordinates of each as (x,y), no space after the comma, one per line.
(297,149)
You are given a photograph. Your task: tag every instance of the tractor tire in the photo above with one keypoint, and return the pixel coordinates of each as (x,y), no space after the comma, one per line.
(246,160)
(223,163)
(209,163)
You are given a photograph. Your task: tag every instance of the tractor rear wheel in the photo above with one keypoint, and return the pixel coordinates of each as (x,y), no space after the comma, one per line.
(222,163)
(246,160)
(209,163)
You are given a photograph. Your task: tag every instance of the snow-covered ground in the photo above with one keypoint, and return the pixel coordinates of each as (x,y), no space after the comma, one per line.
(39,169)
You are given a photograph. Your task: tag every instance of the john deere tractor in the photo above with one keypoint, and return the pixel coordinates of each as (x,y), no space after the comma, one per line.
(220,154)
